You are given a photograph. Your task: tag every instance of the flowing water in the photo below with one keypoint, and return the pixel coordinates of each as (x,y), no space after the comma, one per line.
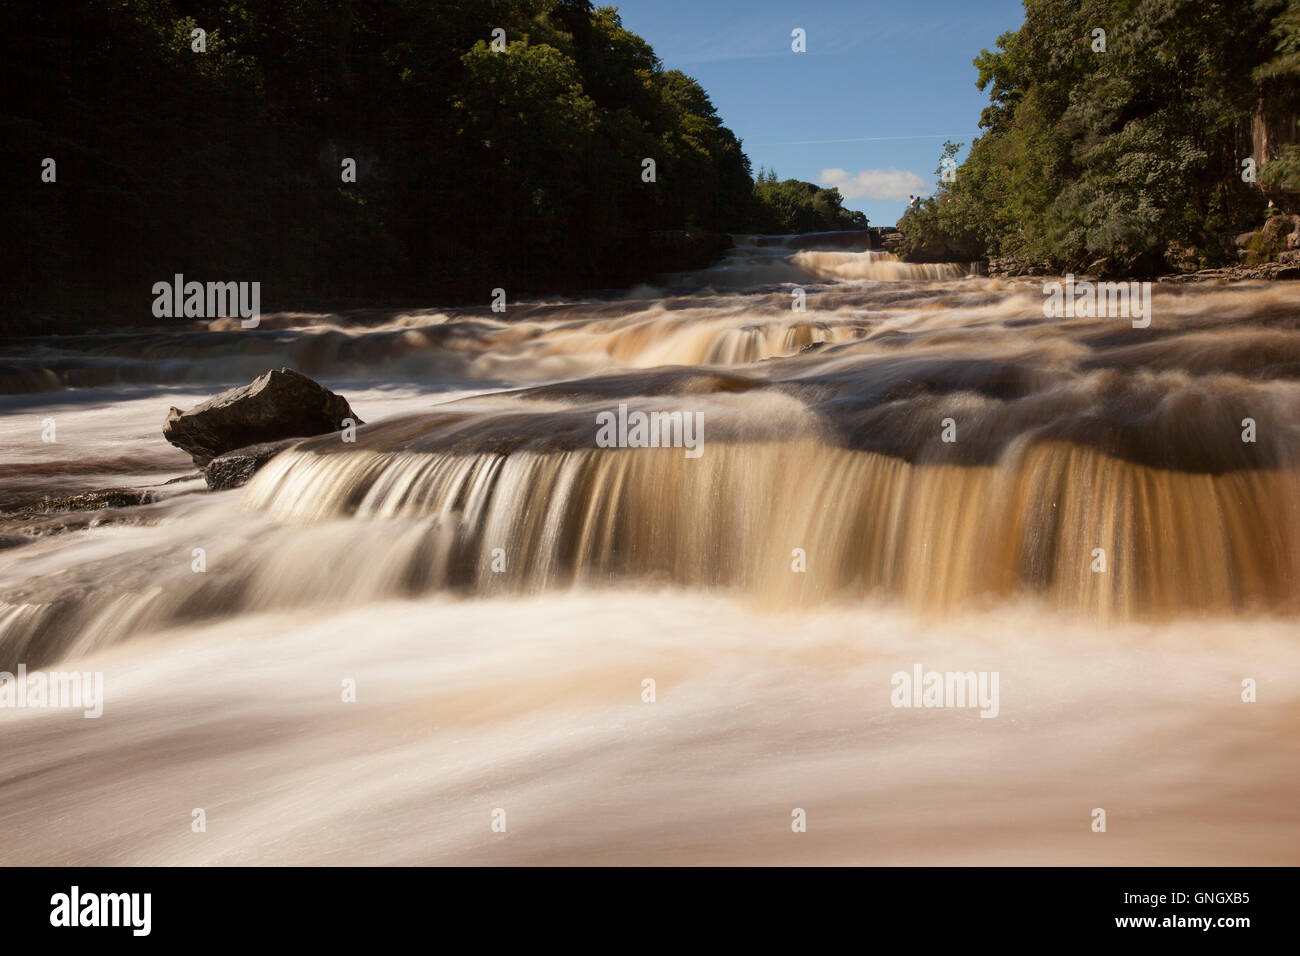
(918,468)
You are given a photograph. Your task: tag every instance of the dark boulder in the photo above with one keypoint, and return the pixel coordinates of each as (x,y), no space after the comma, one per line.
(280,404)
(233,468)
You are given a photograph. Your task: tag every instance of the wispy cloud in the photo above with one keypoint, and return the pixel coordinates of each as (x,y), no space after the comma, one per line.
(875,183)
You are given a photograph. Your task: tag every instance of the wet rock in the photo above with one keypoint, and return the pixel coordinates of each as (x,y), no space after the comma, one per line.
(278,405)
(233,468)
(94,500)
(54,515)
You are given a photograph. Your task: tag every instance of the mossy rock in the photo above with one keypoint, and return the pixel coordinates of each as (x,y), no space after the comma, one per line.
(90,501)
(1271,240)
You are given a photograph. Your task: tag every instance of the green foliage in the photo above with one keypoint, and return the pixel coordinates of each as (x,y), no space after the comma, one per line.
(1119,154)
(1284,169)
(476,168)
(792,206)
(1283,67)
(1262,248)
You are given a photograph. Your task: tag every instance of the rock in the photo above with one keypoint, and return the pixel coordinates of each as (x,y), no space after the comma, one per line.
(942,249)
(280,404)
(85,502)
(1287,272)
(1223,275)
(1272,239)
(96,500)
(1243,240)
(1277,227)
(1183,258)
(232,469)
(1009,266)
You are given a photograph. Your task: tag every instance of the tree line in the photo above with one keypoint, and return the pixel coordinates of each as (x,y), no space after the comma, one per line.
(1117,136)
(492,143)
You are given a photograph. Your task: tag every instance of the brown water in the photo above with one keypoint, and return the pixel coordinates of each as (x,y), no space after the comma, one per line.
(499,586)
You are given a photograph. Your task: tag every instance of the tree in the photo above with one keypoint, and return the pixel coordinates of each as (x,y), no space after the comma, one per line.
(1110,157)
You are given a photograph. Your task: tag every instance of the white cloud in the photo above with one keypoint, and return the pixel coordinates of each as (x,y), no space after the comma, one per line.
(875,183)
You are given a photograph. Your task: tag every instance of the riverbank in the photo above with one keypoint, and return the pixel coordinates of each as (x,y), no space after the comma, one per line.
(1269,253)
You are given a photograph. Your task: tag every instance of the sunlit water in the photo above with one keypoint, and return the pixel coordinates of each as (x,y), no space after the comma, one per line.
(499,588)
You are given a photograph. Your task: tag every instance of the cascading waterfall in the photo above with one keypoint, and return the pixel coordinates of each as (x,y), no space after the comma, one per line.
(937,536)
(872,265)
(919,469)
(676,326)
(365,526)
(1074,458)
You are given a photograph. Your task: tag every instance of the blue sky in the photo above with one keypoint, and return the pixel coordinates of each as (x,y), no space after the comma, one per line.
(896,77)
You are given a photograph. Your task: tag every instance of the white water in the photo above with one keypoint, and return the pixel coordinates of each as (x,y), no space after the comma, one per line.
(523,690)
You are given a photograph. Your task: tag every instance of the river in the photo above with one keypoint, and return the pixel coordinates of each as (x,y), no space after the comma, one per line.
(476,636)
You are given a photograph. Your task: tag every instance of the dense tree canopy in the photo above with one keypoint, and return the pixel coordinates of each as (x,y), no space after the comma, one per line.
(477,167)
(1122,149)
(789,206)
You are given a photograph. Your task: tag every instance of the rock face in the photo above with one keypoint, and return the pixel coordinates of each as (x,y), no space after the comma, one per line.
(234,468)
(280,404)
(1011,266)
(1279,234)
(944,249)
